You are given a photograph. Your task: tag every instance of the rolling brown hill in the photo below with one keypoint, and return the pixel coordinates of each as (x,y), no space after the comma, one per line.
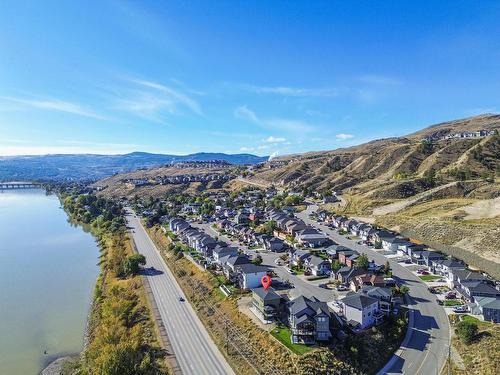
(444,193)
(394,167)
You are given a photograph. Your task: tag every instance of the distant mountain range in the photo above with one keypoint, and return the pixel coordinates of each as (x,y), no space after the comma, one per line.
(91,167)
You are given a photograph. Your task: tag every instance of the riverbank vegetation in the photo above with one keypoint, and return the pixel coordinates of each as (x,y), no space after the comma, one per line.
(121,337)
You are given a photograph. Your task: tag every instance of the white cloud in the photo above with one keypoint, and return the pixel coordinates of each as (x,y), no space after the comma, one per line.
(293,91)
(246,149)
(344,136)
(154,101)
(243,112)
(297,126)
(172,95)
(272,139)
(52,105)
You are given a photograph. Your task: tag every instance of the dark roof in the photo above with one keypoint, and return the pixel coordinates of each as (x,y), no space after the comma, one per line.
(452,263)
(266,295)
(483,288)
(432,255)
(316,261)
(464,275)
(238,259)
(314,306)
(376,291)
(219,250)
(358,301)
(488,302)
(251,268)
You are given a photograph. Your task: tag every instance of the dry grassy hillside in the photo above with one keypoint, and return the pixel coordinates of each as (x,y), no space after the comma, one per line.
(442,193)
(402,163)
(117,185)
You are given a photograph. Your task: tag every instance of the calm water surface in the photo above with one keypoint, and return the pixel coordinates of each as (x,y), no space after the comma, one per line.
(47,273)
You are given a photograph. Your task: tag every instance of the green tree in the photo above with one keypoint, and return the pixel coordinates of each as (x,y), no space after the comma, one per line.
(387,268)
(466,331)
(269,227)
(403,289)
(430,176)
(257,260)
(133,264)
(336,265)
(362,261)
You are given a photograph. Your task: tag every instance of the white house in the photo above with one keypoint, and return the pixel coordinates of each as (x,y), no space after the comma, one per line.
(249,275)
(361,311)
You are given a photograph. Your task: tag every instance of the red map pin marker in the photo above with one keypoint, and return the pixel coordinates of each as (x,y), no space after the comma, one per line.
(266,282)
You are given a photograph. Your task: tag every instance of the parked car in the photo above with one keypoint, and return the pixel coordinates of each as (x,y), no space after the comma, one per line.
(460,309)
(342,288)
(450,295)
(290,271)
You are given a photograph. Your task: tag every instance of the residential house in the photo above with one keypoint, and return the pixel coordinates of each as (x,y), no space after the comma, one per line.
(361,311)
(460,278)
(474,289)
(318,266)
(489,307)
(346,274)
(348,257)
(242,218)
(311,237)
(431,257)
(266,304)
(293,226)
(333,250)
(384,295)
(370,279)
(248,276)
(219,251)
(274,244)
(309,320)
(297,257)
(446,268)
(229,264)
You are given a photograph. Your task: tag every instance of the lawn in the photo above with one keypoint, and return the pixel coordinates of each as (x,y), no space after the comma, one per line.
(452,302)
(429,277)
(283,334)
(472,319)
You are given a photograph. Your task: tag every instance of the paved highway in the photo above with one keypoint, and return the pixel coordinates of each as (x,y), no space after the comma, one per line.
(426,348)
(194,349)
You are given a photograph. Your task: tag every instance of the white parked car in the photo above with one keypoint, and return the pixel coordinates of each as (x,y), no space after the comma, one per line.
(460,309)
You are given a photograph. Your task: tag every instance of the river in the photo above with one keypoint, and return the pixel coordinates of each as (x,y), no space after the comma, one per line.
(48,268)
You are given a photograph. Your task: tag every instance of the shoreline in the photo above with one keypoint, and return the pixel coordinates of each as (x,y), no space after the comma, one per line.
(55,365)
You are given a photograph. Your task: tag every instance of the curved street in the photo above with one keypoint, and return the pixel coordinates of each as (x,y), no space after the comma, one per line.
(425,349)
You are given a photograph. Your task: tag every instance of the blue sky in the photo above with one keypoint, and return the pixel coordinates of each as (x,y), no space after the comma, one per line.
(265,77)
